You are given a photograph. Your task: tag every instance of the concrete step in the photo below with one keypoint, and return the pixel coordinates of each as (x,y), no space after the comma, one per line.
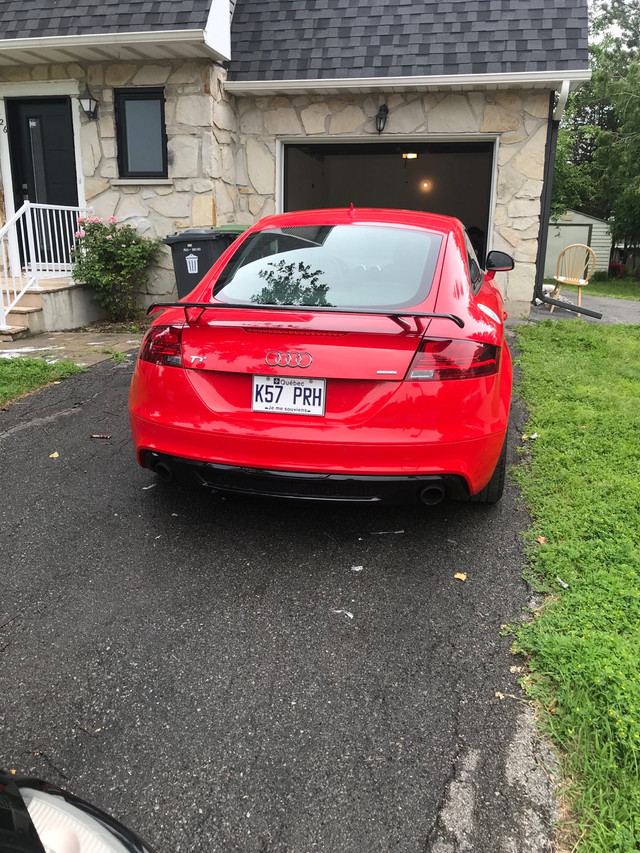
(57,304)
(31,299)
(68,305)
(13,333)
(33,296)
(32,316)
(15,285)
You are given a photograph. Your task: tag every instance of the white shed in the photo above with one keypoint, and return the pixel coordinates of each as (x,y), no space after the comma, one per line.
(576,227)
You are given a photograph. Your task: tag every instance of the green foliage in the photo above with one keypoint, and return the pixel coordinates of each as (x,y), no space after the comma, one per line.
(19,376)
(598,156)
(571,179)
(582,483)
(114,261)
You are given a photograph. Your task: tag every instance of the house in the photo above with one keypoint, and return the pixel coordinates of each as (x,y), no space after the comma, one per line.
(575,227)
(212,112)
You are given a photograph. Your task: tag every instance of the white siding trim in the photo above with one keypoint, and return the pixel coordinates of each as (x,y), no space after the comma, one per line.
(522,80)
(33,90)
(213,42)
(92,39)
(5,166)
(48,89)
(77,150)
(495,168)
(280,170)
(217,32)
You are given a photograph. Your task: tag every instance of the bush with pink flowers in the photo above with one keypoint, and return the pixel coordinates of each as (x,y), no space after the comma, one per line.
(114,262)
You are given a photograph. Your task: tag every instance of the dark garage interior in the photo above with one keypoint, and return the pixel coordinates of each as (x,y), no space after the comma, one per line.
(451,178)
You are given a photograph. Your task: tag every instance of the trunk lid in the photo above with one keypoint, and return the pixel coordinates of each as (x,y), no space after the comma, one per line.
(326,346)
(357,361)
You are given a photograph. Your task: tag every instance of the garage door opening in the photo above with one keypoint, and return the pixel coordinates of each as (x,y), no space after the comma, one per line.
(451,178)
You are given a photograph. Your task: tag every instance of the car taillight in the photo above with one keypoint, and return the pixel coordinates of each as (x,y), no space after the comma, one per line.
(162,345)
(445,359)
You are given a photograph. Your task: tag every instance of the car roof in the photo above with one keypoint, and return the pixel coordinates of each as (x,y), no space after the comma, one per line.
(354,215)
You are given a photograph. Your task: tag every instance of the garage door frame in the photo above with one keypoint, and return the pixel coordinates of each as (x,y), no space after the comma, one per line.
(460,138)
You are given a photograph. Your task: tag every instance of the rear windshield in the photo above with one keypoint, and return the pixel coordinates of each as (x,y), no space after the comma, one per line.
(345,266)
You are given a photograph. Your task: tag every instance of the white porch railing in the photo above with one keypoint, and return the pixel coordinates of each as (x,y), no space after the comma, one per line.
(35,244)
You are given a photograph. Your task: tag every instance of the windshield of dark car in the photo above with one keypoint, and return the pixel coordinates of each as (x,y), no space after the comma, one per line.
(332,265)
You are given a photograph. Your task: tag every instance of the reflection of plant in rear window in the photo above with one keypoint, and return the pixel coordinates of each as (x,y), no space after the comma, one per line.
(291,284)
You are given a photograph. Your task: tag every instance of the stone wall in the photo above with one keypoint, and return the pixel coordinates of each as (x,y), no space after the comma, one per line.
(201,188)
(517,119)
(222,151)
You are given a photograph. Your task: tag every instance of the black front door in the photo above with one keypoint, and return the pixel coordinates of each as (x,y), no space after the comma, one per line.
(42,152)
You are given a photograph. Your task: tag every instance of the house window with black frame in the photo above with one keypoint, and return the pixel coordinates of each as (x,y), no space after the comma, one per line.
(142,137)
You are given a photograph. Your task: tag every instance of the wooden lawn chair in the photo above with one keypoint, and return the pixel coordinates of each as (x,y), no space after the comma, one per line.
(575,266)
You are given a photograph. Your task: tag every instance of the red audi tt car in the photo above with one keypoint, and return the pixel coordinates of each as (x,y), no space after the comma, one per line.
(343,355)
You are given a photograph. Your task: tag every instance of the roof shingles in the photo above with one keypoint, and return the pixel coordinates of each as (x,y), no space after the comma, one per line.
(32,19)
(328,39)
(279,39)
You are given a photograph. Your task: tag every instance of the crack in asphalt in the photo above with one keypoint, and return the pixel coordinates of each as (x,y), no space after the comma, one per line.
(528,772)
(41,754)
(40,421)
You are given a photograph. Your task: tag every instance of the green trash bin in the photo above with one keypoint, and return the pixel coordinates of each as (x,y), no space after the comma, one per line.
(195,251)
(230,229)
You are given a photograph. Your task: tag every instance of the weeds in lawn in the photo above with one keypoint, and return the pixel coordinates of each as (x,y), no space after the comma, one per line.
(19,376)
(117,356)
(582,484)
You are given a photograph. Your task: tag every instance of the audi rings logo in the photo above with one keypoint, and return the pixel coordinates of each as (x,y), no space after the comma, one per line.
(288,359)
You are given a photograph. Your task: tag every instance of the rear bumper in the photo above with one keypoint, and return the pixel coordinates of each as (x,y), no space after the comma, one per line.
(398,444)
(471,461)
(309,486)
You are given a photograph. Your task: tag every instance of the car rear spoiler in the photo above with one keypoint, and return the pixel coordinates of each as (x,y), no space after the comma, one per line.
(398,317)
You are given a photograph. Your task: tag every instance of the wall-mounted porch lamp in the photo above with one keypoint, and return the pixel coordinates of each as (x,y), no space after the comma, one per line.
(381,117)
(89,104)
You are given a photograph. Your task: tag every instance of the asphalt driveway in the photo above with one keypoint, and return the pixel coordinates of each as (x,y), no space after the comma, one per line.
(218,675)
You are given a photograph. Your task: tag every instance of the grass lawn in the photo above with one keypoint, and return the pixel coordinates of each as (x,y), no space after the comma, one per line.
(581,481)
(618,288)
(19,376)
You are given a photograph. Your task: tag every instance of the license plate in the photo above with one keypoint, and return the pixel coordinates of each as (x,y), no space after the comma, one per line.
(288,395)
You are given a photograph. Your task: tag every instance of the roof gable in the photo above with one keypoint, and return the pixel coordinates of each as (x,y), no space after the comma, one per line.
(337,39)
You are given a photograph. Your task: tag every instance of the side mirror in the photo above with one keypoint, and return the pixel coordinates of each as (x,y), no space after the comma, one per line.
(499,262)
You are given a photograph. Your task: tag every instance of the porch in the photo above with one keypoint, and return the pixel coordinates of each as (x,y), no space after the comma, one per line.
(37,292)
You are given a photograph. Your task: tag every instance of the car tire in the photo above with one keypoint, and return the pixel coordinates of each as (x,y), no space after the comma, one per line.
(492,492)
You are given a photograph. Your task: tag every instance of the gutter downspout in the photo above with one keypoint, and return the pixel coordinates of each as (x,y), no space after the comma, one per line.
(553,125)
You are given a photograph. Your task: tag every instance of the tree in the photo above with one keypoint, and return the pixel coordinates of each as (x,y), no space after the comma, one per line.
(598,156)
(618,157)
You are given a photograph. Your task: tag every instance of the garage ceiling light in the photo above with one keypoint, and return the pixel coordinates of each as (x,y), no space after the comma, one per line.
(411,155)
